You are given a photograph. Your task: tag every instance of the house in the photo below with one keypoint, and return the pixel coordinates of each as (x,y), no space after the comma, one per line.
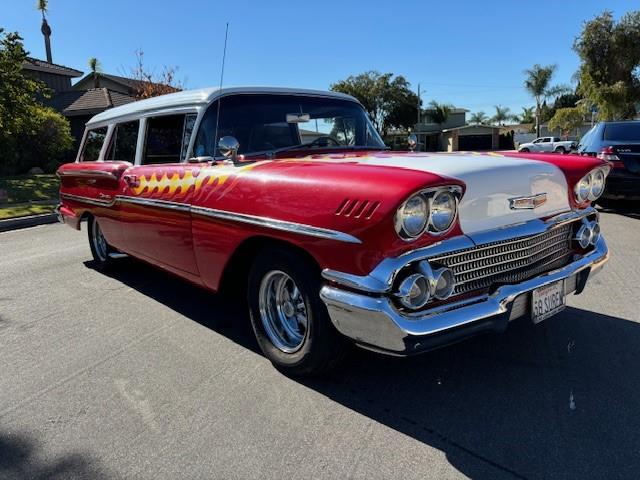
(54,76)
(450,136)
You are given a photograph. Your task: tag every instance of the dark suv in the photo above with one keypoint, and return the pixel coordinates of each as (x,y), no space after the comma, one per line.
(618,142)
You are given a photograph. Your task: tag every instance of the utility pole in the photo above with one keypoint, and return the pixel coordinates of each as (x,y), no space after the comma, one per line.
(419,101)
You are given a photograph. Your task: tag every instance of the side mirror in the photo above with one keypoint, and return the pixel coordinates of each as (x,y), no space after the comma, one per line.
(412,141)
(228,147)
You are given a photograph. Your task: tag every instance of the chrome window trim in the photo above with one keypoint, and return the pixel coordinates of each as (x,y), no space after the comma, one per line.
(148,202)
(381,278)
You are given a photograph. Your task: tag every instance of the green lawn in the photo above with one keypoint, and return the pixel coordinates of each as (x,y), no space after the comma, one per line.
(28,195)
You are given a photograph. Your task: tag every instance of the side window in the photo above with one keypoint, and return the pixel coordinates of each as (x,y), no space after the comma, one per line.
(123,142)
(546,140)
(93,144)
(167,138)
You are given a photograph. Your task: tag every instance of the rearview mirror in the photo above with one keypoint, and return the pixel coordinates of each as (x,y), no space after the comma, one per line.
(298,117)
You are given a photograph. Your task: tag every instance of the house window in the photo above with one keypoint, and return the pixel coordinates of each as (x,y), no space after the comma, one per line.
(123,142)
(93,144)
(167,138)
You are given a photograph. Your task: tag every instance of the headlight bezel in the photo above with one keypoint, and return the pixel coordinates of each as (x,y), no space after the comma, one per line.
(584,194)
(428,195)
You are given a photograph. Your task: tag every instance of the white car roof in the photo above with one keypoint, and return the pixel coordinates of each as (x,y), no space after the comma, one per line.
(199,97)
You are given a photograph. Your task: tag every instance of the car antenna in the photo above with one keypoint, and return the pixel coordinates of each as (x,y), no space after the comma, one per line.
(224,56)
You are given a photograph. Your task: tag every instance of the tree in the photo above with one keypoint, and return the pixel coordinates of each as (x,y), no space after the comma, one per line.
(94,66)
(30,134)
(528,115)
(566,120)
(148,84)
(478,118)
(609,73)
(389,101)
(538,85)
(439,112)
(502,115)
(43,6)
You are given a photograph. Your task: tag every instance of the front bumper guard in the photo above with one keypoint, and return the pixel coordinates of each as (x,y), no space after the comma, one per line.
(373,322)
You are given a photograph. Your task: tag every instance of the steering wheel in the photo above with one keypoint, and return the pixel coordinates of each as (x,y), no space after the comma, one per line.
(324,140)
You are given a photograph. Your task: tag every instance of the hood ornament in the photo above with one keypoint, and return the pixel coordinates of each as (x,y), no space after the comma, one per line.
(527,203)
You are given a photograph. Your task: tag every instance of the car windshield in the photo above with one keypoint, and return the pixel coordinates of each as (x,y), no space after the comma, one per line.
(271,123)
(622,132)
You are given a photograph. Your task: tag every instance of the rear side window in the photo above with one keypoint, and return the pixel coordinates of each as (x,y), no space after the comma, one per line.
(93,144)
(622,132)
(167,138)
(123,142)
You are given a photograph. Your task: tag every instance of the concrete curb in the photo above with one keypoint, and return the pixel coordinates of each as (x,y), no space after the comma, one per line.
(25,222)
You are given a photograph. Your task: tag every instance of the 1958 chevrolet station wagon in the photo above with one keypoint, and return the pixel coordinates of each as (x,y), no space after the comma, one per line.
(291,197)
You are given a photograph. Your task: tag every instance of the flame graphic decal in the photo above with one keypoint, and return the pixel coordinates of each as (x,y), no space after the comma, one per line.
(177,184)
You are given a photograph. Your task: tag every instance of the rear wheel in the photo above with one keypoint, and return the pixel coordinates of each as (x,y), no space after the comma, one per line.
(560,150)
(100,249)
(290,321)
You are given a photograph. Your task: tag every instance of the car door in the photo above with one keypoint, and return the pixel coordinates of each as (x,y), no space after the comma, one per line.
(546,145)
(156,195)
(91,184)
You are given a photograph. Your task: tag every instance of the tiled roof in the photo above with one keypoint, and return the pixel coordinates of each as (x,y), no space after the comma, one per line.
(88,101)
(42,66)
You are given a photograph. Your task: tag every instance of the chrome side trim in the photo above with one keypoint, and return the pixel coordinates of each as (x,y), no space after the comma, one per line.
(88,200)
(148,202)
(373,321)
(274,224)
(381,277)
(87,173)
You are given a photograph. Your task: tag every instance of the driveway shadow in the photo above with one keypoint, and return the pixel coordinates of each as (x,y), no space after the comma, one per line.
(20,459)
(556,400)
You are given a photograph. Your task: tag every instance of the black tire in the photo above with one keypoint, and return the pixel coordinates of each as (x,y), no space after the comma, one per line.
(524,150)
(560,150)
(100,253)
(322,347)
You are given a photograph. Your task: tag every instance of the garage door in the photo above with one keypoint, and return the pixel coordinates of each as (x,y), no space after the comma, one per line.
(474,142)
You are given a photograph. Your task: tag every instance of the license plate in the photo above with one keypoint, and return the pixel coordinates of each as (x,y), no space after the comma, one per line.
(547,301)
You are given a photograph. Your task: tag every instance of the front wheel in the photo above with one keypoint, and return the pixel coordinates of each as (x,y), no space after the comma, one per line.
(524,150)
(290,321)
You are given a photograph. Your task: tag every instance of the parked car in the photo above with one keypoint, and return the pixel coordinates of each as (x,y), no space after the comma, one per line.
(334,239)
(548,144)
(618,143)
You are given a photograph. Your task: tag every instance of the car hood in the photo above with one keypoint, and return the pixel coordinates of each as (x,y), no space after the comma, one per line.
(491,181)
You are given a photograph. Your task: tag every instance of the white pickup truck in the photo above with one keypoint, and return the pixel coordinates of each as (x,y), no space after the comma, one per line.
(548,144)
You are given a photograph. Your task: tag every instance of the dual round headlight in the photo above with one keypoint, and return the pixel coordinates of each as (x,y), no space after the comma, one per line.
(417,289)
(591,186)
(433,211)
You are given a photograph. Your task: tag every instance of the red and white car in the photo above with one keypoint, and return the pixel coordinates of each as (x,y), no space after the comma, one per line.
(291,197)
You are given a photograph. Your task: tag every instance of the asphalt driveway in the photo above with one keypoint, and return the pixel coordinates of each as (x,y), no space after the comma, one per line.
(136,374)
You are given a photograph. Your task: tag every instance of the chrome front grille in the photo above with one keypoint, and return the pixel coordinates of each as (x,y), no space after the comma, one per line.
(508,261)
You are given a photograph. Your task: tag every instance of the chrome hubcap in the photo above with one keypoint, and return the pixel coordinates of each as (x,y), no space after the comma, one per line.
(99,243)
(283,311)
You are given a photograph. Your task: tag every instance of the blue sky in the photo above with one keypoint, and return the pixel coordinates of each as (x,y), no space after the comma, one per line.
(468,53)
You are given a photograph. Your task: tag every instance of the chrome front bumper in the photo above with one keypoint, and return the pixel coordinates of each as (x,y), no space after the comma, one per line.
(371,319)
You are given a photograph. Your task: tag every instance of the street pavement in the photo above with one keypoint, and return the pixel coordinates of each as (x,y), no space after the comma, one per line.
(136,374)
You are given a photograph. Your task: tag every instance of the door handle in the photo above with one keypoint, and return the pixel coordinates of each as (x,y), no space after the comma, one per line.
(132,180)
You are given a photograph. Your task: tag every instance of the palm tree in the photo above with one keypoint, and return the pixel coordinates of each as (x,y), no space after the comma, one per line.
(502,115)
(537,84)
(43,6)
(95,67)
(439,112)
(528,115)
(478,118)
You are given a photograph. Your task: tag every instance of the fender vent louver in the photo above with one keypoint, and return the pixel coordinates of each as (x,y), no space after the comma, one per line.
(357,208)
